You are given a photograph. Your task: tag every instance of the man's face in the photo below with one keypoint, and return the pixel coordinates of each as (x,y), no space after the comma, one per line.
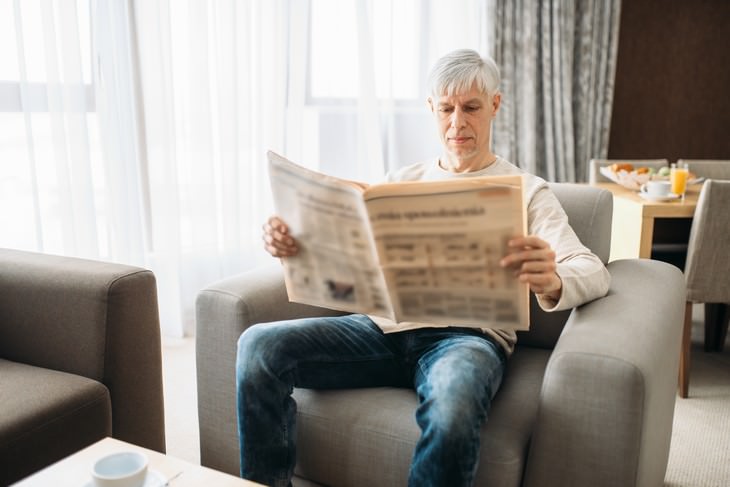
(464,123)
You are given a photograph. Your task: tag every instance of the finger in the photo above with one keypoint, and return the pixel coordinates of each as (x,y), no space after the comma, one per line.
(542,282)
(278,252)
(282,239)
(278,231)
(281,243)
(537,267)
(276,223)
(531,241)
(516,259)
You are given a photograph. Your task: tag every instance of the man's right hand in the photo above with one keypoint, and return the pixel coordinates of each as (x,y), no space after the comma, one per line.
(277,240)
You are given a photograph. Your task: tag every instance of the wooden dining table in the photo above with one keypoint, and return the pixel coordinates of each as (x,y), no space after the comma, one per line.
(634,218)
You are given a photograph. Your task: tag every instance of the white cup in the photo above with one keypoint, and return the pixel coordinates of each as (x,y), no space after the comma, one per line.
(656,189)
(123,469)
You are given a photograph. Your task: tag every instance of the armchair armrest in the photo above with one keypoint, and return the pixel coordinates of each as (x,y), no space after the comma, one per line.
(95,319)
(607,401)
(223,311)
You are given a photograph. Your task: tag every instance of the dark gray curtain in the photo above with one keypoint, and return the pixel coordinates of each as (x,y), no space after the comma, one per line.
(558,60)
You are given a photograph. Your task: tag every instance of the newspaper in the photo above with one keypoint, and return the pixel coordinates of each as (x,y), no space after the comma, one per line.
(423,252)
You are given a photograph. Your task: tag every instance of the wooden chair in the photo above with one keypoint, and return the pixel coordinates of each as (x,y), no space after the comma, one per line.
(706,271)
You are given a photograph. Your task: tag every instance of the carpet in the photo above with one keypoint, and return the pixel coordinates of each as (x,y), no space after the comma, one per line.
(699,455)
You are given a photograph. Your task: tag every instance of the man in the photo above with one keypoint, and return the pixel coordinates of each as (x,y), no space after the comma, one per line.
(455,371)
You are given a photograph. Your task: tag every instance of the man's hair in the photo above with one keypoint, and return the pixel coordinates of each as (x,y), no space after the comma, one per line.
(458,70)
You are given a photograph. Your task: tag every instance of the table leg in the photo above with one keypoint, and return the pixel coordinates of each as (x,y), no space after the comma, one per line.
(631,232)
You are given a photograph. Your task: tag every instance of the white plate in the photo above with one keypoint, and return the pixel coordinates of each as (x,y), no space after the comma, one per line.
(153,479)
(669,197)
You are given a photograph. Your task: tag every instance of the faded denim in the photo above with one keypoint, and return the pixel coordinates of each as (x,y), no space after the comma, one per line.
(455,372)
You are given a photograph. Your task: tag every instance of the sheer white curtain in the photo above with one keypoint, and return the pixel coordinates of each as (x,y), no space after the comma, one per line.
(364,99)
(136,131)
(51,173)
(213,87)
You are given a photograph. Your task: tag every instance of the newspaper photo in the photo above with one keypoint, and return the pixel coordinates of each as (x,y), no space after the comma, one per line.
(417,252)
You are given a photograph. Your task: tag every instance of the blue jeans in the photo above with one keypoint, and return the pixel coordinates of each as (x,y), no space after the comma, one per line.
(455,372)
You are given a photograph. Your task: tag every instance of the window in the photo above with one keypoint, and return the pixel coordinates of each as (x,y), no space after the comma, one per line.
(367,64)
(386,32)
(48,129)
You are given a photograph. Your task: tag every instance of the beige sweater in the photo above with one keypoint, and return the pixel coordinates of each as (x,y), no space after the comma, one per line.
(583,275)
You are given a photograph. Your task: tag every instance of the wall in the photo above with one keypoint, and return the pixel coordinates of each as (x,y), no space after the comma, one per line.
(672,93)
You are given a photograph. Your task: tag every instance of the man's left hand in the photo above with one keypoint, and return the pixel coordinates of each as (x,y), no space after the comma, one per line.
(533,262)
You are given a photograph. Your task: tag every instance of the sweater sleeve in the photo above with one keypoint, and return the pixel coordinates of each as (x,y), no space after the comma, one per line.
(583,275)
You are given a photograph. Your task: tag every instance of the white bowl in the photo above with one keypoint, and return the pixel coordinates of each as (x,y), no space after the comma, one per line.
(123,469)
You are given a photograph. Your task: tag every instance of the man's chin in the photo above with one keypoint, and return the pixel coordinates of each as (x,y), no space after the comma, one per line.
(462,154)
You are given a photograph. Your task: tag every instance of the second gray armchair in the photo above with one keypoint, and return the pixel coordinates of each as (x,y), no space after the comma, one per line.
(80,359)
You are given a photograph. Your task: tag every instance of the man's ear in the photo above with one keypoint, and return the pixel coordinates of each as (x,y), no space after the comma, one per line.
(496,101)
(429,102)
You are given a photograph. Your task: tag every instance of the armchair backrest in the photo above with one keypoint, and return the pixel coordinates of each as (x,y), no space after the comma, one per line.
(589,211)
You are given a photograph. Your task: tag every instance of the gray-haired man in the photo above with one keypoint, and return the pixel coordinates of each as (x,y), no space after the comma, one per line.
(455,371)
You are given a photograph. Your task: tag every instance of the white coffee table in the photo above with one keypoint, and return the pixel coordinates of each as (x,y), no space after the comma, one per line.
(75,470)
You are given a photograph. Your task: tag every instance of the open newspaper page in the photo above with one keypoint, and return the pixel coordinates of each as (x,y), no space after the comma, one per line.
(439,245)
(336,266)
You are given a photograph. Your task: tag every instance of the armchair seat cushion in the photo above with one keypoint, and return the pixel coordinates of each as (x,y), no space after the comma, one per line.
(41,407)
(367,436)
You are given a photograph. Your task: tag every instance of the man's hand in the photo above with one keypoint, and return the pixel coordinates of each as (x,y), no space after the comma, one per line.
(533,262)
(277,240)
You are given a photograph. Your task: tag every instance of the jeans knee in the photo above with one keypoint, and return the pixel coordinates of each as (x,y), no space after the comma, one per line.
(455,397)
(256,348)
(455,419)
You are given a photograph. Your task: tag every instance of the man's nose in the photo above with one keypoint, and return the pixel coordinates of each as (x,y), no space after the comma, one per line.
(457,118)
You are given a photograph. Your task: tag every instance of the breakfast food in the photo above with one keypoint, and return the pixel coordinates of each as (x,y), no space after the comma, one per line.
(622,166)
(625,174)
(629,176)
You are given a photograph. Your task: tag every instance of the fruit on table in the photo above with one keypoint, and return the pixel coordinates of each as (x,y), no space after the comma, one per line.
(622,166)
(663,171)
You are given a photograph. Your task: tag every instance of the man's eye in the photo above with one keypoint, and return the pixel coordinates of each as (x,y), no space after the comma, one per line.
(446,109)
(471,108)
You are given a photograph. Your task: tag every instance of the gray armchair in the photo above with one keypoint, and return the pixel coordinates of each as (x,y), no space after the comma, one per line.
(80,359)
(588,398)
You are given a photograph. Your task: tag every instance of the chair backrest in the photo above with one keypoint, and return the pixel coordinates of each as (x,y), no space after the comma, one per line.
(708,253)
(594,165)
(589,211)
(708,168)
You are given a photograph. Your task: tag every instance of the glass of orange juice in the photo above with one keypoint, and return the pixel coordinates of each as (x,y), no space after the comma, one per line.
(678,176)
